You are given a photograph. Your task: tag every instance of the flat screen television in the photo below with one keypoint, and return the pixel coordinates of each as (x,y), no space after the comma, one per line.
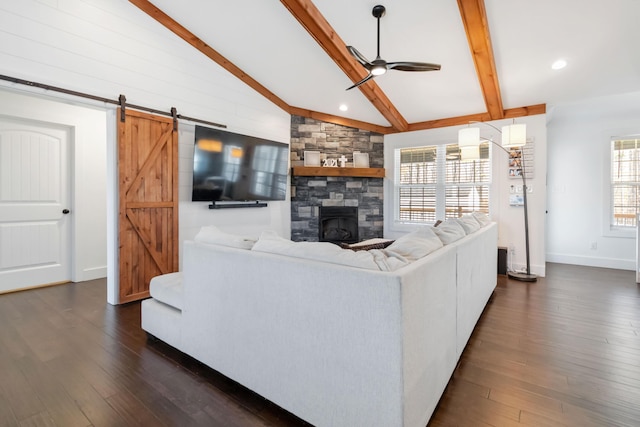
(238,168)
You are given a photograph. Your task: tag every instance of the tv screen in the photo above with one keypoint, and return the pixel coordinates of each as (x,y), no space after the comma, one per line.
(232,167)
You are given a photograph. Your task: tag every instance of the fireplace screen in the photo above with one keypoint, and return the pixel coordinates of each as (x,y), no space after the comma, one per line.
(338,224)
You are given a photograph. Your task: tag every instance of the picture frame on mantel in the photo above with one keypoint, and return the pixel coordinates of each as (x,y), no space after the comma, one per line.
(360,160)
(312,158)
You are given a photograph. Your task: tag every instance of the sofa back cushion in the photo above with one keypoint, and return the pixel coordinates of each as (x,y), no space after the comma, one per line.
(415,245)
(469,223)
(374,259)
(482,218)
(449,231)
(212,235)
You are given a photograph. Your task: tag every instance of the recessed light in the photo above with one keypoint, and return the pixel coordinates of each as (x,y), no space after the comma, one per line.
(559,64)
(343,107)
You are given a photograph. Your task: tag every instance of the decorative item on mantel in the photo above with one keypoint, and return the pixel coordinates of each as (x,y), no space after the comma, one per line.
(360,160)
(312,158)
(332,163)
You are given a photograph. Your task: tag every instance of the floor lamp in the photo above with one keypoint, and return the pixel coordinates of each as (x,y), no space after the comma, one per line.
(514,135)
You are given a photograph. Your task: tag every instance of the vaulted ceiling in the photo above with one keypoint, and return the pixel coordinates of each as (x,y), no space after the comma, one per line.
(496,55)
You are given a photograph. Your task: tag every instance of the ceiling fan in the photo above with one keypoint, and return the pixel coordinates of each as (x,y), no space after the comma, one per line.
(379,66)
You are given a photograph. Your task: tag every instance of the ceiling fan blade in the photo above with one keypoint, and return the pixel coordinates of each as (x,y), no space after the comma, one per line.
(366,79)
(359,57)
(412,66)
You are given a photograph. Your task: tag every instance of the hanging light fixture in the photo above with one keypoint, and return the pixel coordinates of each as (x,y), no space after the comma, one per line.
(514,135)
(469,144)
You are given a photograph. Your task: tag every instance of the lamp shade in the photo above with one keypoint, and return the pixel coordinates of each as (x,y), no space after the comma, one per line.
(469,153)
(469,143)
(514,135)
(469,137)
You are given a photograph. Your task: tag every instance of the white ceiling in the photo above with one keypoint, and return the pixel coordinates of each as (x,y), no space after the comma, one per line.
(599,40)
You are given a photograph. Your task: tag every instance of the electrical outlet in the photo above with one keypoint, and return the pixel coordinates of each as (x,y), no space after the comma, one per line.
(594,246)
(512,249)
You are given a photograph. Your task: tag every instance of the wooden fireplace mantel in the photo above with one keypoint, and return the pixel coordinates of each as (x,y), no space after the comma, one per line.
(336,171)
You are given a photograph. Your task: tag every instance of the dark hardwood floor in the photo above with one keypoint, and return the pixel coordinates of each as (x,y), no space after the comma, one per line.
(562,351)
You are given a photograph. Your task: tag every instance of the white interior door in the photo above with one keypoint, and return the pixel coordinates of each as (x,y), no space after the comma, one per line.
(35,220)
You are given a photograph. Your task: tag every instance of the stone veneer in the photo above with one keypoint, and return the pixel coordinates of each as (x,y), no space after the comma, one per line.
(309,193)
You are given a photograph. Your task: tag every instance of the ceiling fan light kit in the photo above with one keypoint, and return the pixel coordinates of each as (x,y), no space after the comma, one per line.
(379,66)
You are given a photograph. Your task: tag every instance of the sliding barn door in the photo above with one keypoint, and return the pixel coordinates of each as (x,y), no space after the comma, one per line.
(148,198)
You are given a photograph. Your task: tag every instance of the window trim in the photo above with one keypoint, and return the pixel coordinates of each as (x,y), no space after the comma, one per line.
(608,229)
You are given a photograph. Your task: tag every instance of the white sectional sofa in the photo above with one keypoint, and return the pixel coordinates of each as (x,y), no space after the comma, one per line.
(336,345)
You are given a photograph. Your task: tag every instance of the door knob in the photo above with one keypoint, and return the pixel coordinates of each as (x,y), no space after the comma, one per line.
(65,211)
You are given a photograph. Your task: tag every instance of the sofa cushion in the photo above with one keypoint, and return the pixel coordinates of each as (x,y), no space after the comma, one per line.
(469,223)
(449,231)
(482,218)
(415,245)
(212,235)
(374,259)
(167,288)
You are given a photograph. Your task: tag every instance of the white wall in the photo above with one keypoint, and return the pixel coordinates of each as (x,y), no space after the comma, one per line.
(110,47)
(578,163)
(510,219)
(243,221)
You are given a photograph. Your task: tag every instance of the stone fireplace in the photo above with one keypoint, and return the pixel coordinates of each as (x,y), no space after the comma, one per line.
(310,194)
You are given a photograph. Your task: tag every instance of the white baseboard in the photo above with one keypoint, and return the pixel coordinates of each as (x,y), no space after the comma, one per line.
(92,273)
(618,264)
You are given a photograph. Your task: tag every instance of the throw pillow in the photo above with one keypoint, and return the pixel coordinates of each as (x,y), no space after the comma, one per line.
(415,245)
(212,235)
(449,231)
(469,223)
(367,245)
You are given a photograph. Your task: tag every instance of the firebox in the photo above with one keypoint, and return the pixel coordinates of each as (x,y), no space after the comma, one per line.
(338,224)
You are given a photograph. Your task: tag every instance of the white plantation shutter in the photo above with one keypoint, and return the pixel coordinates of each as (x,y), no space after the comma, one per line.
(434,184)
(625,181)
(417,184)
(467,183)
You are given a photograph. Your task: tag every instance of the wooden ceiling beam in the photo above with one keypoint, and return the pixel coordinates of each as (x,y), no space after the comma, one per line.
(511,113)
(531,110)
(211,53)
(319,28)
(474,19)
(338,120)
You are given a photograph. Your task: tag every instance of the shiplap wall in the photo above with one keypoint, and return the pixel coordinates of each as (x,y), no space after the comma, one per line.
(110,47)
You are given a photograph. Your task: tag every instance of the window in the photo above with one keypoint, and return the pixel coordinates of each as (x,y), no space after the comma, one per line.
(625,181)
(434,184)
